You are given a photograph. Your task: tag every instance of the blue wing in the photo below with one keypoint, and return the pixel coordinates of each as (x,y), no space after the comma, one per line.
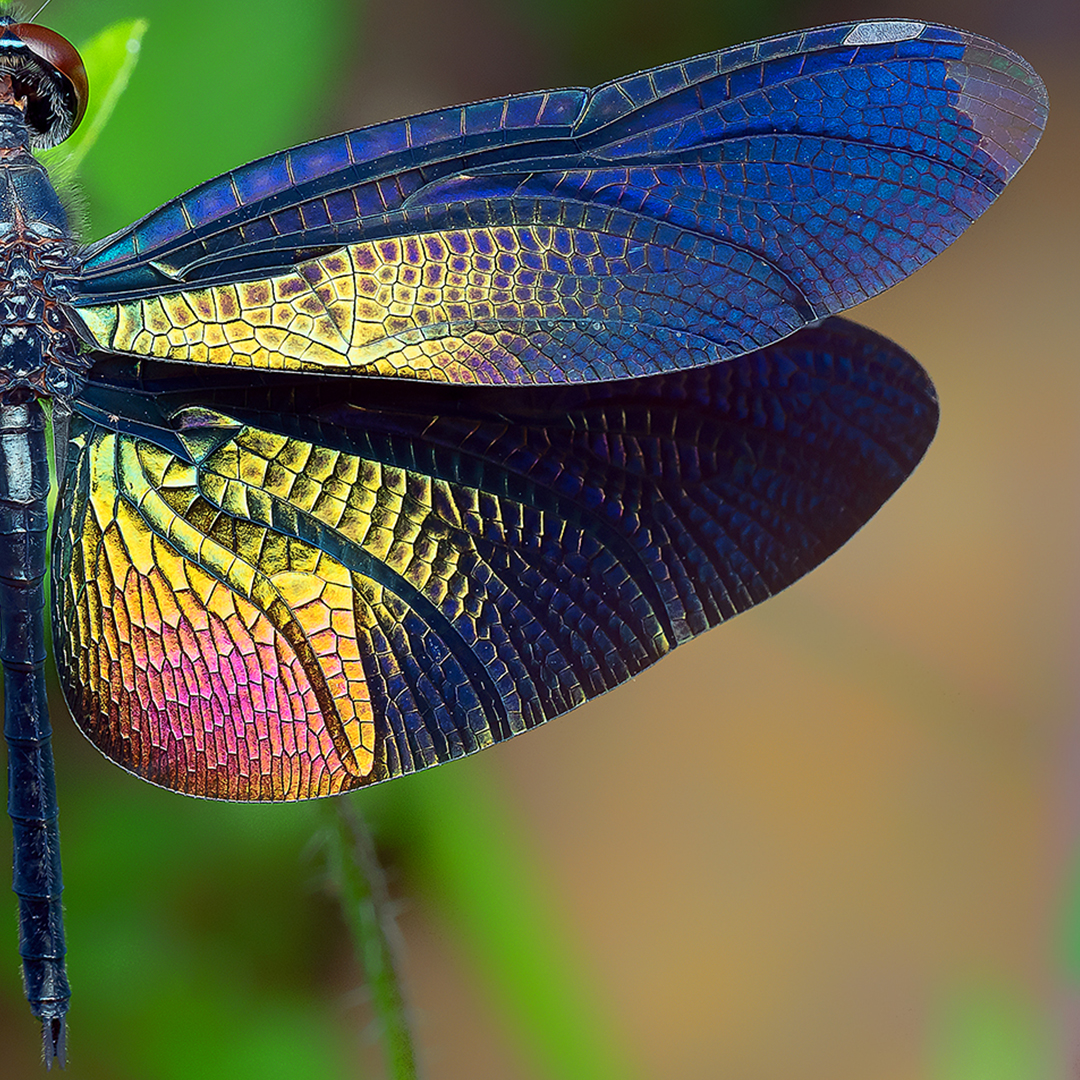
(733,198)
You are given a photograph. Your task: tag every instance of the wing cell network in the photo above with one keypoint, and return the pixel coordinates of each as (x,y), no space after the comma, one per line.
(713,206)
(273,589)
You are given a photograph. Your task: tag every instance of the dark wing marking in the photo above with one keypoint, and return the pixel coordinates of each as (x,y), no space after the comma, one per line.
(291,588)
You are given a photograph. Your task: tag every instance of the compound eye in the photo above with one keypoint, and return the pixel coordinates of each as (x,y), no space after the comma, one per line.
(63,91)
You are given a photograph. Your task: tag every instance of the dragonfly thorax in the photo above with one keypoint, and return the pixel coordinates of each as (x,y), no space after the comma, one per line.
(38,349)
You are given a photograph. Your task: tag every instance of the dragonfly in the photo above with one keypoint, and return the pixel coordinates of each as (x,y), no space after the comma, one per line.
(383,449)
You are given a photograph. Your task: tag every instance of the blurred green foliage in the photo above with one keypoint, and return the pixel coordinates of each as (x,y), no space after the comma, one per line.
(217,85)
(986,1033)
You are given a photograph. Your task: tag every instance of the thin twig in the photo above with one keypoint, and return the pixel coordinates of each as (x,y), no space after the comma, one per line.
(355,868)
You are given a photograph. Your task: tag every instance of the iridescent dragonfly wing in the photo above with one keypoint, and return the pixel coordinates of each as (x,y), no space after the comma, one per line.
(274,588)
(274,585)
(669,219)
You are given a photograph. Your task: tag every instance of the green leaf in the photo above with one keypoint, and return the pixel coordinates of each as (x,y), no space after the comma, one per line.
(217,85)
(110,58)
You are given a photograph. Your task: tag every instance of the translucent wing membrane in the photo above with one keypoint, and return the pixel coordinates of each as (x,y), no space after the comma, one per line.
(271,588)
(672,218)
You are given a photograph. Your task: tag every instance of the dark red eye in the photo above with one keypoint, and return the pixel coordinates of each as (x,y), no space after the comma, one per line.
(62,55)
(64,81)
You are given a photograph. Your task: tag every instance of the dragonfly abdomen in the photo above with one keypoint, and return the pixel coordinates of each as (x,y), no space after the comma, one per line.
(24,488)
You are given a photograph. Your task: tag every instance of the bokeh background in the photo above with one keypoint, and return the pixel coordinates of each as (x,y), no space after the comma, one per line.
(837,838)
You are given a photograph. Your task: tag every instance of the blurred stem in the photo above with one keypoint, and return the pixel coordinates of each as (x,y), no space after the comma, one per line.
(458,843)
(361,884)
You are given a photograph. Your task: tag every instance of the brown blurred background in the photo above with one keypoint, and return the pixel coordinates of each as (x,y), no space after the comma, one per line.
(832,839)
(836,838)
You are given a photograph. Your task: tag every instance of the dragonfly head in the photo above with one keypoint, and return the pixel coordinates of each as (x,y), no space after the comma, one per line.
(43,74)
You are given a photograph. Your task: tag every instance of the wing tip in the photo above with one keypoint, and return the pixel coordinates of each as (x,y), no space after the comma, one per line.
(1005,98)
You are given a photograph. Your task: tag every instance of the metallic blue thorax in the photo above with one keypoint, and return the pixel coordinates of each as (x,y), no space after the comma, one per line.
(38,354)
